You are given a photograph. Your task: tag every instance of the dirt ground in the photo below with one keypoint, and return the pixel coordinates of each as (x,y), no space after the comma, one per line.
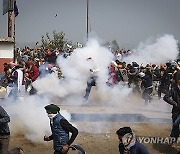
(104,142)
(99,137)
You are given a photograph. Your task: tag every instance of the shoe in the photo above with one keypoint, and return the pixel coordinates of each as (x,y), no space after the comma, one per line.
(85,100)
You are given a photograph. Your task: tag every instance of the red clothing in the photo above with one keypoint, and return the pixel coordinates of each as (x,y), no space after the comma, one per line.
(34,73)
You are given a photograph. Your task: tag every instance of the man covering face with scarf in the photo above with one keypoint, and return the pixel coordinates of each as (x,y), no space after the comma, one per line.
(128,143)
(60,128)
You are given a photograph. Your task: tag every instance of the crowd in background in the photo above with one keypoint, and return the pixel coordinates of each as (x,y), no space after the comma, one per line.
(36,63)
(32,64)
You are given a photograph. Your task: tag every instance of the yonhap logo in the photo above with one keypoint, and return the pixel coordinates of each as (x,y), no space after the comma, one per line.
(158,140)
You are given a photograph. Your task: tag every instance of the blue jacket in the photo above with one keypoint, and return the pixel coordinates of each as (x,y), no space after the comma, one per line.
(138,148)
(60,136)
(4,120)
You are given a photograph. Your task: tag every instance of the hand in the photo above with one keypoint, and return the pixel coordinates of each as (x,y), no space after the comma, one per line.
(65,148)
(46,138)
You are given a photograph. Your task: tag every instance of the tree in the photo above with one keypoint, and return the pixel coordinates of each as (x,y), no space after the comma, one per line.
(58,40)
(115,45)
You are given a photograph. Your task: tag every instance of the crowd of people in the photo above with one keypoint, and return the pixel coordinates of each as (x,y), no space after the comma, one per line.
(35,63)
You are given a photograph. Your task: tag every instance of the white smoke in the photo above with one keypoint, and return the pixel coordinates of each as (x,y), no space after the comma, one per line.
(29,118)
(160,51)
(76,70)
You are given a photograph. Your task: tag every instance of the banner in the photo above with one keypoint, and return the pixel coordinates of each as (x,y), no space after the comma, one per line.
(7,6)
(16,11)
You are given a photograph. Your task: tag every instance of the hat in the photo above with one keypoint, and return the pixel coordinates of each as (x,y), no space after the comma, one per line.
(52,108)
(124,130)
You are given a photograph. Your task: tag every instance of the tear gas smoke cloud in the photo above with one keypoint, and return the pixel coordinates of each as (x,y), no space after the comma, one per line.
(76,70)
(160,51)
(29,118)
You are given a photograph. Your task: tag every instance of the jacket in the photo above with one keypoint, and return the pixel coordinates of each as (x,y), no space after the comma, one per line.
(138,148)
(4,120)
(60,136)
(34,73)
(173,97)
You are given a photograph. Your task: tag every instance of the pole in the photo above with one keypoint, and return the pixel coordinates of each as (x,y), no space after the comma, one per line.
(14,58)
(87,20)
(10,24)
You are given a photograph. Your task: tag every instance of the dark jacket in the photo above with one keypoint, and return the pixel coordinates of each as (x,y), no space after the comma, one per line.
(138,148)
(164,80)
(60,128)
(60,136)
(173,97)
(146,82)
(4,120)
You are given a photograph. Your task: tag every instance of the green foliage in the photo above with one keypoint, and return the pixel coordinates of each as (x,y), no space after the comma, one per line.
(115,45)
(58,40)
(112,45)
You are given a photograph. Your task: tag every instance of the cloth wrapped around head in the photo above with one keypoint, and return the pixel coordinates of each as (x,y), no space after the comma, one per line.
(127,136)
(52,108)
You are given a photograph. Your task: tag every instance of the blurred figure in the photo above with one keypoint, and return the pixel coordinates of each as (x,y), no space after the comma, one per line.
(92,79)
(146,84)
(18,82)
(4,131)
(173,98)
(164,82)
(112,80)
(60,128)
(128,143)
(32,73)
(133,79)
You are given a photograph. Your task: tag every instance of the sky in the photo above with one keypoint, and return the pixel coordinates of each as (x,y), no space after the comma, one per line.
(129,22)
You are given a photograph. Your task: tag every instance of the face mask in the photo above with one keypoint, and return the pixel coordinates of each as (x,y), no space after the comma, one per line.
(51,116)
(128,140)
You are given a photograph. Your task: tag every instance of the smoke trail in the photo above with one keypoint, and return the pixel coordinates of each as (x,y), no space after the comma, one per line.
(160,51)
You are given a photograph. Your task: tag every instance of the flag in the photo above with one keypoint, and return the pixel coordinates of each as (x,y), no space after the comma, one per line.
(16,11)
